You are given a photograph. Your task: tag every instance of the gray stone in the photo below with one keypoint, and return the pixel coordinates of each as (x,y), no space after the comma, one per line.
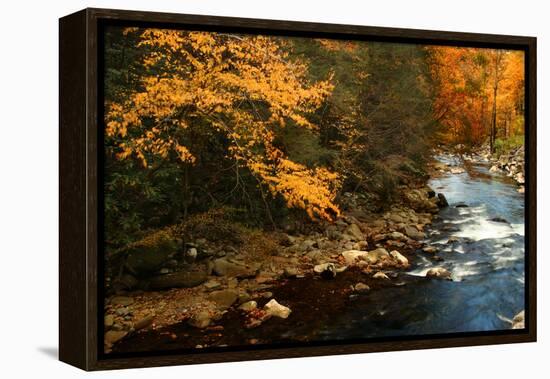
(413,232)
(396,218)
(150,253)
(248,306)
(397,236)
(212,284)
(200,320)
(108,321)
(518,322)
(224,298)
(353,256)
(144,322)
(123,311)
(439,273)
(381,275)
(178,280)
(225,267)
(377,255)
(290,272)
(430,249)
(442,201)
(399,258)
(355,232)
(361,245)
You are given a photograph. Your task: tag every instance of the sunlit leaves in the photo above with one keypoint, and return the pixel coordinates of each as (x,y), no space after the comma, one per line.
(245,87)
(465,84)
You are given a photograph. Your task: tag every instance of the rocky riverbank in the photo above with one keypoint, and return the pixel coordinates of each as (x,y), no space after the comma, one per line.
(221,279)
(512,165)
(221,293)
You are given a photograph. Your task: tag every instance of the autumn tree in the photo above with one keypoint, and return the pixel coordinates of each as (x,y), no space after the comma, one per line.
(479,93)
(243,88)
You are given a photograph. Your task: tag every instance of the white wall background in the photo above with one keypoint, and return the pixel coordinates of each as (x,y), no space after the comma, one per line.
(28,189)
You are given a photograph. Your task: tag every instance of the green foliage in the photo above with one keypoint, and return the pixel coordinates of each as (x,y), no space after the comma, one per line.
(216,224)
(149,253)
(375,130)
(504,146)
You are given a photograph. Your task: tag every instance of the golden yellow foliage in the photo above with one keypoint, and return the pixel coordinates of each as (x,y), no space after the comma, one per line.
(244,87)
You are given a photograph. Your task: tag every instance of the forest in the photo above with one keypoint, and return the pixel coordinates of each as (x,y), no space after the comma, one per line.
(222,144)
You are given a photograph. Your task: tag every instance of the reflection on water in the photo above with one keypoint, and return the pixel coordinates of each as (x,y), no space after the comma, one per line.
(485,255)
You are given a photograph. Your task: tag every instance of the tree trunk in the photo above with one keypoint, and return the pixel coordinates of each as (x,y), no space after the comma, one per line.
(493,133)
(494,119)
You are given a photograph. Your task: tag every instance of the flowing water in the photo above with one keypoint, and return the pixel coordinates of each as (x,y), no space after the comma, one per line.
(486,260)
(481,242)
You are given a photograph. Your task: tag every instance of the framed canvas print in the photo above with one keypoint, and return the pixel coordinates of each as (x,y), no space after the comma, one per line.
(237,189)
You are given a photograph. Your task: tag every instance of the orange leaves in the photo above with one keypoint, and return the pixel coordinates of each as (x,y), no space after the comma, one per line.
(244,87)
(465,79)
(336,45)
(313,190)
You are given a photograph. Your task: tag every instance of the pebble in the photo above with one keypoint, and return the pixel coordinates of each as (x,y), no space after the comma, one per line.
(248,306)
(381,275)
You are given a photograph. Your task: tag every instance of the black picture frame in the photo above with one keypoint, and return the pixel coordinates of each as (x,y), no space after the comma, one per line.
(80,183)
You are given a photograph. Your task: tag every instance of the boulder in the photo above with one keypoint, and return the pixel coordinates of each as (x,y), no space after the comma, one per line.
(200,320)
(361,245)
(108,321)
(351,257)
(290,272)
(306,245)
(180,279)
(212,284)
(144,322)
(430,249)
(399,258)
(518,322)
(442,201)
(223,298)
(420,200)
(226,267)
(397,236)
(439,273)
(354,231)
(413,232)
(377,255)
(274,309)
(148,254)
(396,218)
